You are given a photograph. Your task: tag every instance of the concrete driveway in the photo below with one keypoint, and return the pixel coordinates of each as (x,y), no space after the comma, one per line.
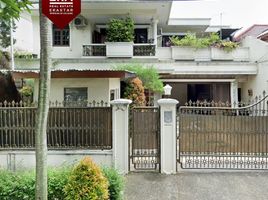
(197,186)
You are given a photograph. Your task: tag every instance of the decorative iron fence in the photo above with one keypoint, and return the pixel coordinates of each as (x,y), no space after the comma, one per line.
(68,127)
(94,50)
(144,50)
(212,103)
(224,137)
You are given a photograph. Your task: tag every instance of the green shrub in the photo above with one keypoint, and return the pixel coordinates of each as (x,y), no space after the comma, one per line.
(26,91)
(23,55)
(21,185)
(189,40)
(57,179)
(227,46)
(17,186)
(213,39)
(120,30)
(86,182)
(116,183)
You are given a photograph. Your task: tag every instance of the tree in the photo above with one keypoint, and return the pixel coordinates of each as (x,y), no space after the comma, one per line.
(9,9)
(5,36)
(43,107)
(148,75)
(135,92)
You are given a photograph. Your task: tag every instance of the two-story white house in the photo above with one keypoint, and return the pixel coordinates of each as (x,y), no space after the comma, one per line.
(83,67)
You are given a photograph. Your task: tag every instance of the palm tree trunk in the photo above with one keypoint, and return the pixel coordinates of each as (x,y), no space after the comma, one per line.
(43,107)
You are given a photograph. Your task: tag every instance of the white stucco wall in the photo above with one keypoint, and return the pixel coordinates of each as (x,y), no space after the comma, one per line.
(258,48)
(24,28)
(114,84)
(16,160)
(36,35)
(78,38)
(258,83)
(98,88)
(259,55)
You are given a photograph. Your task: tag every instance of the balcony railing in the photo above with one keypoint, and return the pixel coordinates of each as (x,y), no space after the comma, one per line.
(95,50)
(144,50)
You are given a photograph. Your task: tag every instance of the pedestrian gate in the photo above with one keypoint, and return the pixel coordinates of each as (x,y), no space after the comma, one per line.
(144,140)
(224,137)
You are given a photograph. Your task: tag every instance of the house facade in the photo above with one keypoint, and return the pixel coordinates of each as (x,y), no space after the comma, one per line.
(84,65)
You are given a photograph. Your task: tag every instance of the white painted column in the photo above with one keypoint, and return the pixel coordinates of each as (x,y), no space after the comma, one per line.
(168,135)
(155,22)
(234,93)
(120,134)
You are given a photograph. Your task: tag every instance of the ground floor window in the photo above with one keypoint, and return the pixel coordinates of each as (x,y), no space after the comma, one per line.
(75,96)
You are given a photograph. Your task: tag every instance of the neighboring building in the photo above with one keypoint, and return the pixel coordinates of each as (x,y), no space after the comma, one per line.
(83,67)
(263,36)
(254,31)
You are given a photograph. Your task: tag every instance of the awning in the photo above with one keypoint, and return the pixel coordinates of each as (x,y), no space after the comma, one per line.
(75,74)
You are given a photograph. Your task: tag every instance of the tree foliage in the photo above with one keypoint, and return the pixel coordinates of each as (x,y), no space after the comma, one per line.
(120,30)
(135,92)
(148,75)
(5,59)
(5,36)
(9,10)
(12,8)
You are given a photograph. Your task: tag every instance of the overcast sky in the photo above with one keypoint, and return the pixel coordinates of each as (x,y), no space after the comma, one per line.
(237,13)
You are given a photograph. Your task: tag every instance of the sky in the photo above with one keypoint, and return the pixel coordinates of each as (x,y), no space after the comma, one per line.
(237,13)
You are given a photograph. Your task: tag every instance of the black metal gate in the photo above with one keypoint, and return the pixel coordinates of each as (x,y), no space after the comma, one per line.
(224,137)
(144,140)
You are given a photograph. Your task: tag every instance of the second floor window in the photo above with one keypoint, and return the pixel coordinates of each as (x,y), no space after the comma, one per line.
(61,37)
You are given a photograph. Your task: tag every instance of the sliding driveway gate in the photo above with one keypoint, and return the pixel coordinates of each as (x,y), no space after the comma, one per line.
(224,137)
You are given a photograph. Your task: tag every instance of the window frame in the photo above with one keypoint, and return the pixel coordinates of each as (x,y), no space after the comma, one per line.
(75,103)
(61,31)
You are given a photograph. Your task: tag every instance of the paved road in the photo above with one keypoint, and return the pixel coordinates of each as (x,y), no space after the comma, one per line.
(197,186)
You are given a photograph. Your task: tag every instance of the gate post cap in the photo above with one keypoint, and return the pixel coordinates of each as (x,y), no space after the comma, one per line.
(121,102)
(167,101)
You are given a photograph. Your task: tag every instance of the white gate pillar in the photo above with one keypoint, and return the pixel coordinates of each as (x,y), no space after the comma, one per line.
(168,135)
(234,94)
(120,134)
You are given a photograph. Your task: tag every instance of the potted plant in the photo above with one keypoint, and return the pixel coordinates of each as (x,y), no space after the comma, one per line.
(120,35)
(182,49)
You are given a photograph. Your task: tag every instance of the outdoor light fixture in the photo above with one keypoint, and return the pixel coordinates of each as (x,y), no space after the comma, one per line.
(167,90)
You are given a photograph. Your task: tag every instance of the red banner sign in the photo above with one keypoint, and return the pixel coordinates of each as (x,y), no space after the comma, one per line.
(61,12)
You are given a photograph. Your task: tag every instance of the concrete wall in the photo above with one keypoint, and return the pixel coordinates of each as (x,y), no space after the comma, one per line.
(257,84)
(114,84)
(78,37)
(24,27)
(98,88)
(15,160)
(258,54)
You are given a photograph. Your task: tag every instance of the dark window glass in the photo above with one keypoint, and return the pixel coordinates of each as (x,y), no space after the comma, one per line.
(75,96)
(61,37)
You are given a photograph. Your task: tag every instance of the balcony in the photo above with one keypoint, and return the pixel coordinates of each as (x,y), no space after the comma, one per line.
(240,54)
(137,50)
